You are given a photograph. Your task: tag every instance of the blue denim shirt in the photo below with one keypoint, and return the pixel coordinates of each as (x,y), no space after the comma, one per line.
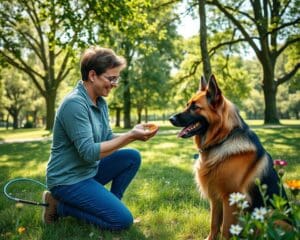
(79,128)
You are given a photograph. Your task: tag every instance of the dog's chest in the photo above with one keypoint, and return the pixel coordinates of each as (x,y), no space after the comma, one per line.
(205,174)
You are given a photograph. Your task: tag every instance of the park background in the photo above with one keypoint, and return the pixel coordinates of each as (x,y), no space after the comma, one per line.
(252,47)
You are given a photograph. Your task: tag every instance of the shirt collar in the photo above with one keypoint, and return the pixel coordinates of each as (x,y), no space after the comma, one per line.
(83,90)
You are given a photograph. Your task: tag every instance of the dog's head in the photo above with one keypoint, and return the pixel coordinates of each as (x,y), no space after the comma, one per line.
(201,110)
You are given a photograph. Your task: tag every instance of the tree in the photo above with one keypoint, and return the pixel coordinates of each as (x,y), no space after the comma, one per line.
(15,94)
(137,36)
(151,83)
(233,76)
(269,28)
(48,31)
(34,108)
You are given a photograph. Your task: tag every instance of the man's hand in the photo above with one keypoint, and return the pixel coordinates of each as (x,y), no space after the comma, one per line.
(144,131)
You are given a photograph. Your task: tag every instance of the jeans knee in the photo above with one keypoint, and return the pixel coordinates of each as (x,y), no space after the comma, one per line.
(135,157)
(125,221)
(138,158)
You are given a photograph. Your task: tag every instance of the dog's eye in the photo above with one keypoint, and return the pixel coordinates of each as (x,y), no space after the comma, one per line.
(195,107)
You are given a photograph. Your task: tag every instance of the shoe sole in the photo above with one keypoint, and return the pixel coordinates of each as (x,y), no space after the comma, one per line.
(44,207)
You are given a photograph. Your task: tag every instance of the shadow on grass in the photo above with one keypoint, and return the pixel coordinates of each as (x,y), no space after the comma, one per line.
(158,184)
(70,228)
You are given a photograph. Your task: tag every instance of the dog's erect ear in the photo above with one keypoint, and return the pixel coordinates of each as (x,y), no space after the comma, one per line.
(214,94)
(202,84)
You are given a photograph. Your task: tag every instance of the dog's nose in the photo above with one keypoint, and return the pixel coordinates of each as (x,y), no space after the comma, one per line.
(173,120)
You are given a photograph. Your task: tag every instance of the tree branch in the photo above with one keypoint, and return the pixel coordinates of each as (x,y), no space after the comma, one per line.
(222,44)
(27,38)
(238,24)
(191,73)
(285,8)
(287,76)
(66,73)
(241,12)
(155,8)
(24,67)
(59,77)
(284,25)
(37,24)
(287,43)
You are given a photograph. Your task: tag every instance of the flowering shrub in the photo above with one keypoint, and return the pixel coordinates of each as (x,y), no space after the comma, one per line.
(280,222)
(294,186)
(280,163)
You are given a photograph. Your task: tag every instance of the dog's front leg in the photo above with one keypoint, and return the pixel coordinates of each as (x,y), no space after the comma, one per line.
(216,219)
(228,218)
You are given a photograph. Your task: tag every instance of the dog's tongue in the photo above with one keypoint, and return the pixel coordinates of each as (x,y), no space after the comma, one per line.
(182,132)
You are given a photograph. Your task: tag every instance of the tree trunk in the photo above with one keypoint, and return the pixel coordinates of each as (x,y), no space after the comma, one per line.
(15,120)
(203,40)
(50,109)
(127,101)
(139,113)
(34,114)
(270,89)
(118,117)
(297,114)
(146,114)
(7,121)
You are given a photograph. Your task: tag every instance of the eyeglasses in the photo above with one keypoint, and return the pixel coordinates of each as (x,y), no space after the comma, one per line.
(112,79)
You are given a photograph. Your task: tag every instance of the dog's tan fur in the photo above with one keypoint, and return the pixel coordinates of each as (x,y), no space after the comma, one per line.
(232,167)
(228,162)
(231,155)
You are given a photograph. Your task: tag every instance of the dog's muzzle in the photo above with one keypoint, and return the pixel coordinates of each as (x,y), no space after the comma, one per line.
(192,125)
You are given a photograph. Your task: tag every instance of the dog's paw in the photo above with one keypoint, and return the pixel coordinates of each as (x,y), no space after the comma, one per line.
(208,238)
(211,237)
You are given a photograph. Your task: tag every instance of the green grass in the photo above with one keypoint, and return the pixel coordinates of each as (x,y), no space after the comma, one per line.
(163,194)
(8,135)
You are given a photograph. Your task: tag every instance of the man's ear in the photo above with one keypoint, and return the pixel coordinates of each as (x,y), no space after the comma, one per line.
(202,84)
(92,74)
(213,94)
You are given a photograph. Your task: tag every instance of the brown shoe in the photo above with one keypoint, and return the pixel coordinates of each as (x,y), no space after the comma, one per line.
(49,214)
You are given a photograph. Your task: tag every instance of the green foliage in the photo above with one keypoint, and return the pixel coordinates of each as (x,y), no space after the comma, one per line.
(15,95)
(288,103)
(249,22)
(282,221)
(285,62)
(232,75)
(41,38)
(146,40)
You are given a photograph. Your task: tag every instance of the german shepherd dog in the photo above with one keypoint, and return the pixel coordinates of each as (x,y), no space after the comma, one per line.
(231,155)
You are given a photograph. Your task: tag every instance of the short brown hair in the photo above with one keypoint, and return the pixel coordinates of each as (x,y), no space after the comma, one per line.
(99,59)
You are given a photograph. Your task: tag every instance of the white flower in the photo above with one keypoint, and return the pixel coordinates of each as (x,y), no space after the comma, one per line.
(259,213)
(235,229)
(243,205)
(236,197)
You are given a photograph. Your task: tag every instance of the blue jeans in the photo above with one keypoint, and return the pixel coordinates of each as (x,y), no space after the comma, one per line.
(91,202)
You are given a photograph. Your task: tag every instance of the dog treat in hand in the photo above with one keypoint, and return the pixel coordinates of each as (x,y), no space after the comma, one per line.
(150,127)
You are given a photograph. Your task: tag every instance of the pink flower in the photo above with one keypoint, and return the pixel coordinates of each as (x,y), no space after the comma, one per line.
(279,162)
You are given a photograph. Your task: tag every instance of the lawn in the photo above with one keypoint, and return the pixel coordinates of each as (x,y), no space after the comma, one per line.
(22,134)
(163,196)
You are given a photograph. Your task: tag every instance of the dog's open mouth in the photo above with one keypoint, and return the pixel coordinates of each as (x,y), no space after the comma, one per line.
(190,130)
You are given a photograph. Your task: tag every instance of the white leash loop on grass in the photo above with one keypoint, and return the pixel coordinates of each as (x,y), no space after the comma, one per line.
(9,196)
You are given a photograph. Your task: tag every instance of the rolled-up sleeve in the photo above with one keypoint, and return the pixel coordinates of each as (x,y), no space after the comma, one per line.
(75,118)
